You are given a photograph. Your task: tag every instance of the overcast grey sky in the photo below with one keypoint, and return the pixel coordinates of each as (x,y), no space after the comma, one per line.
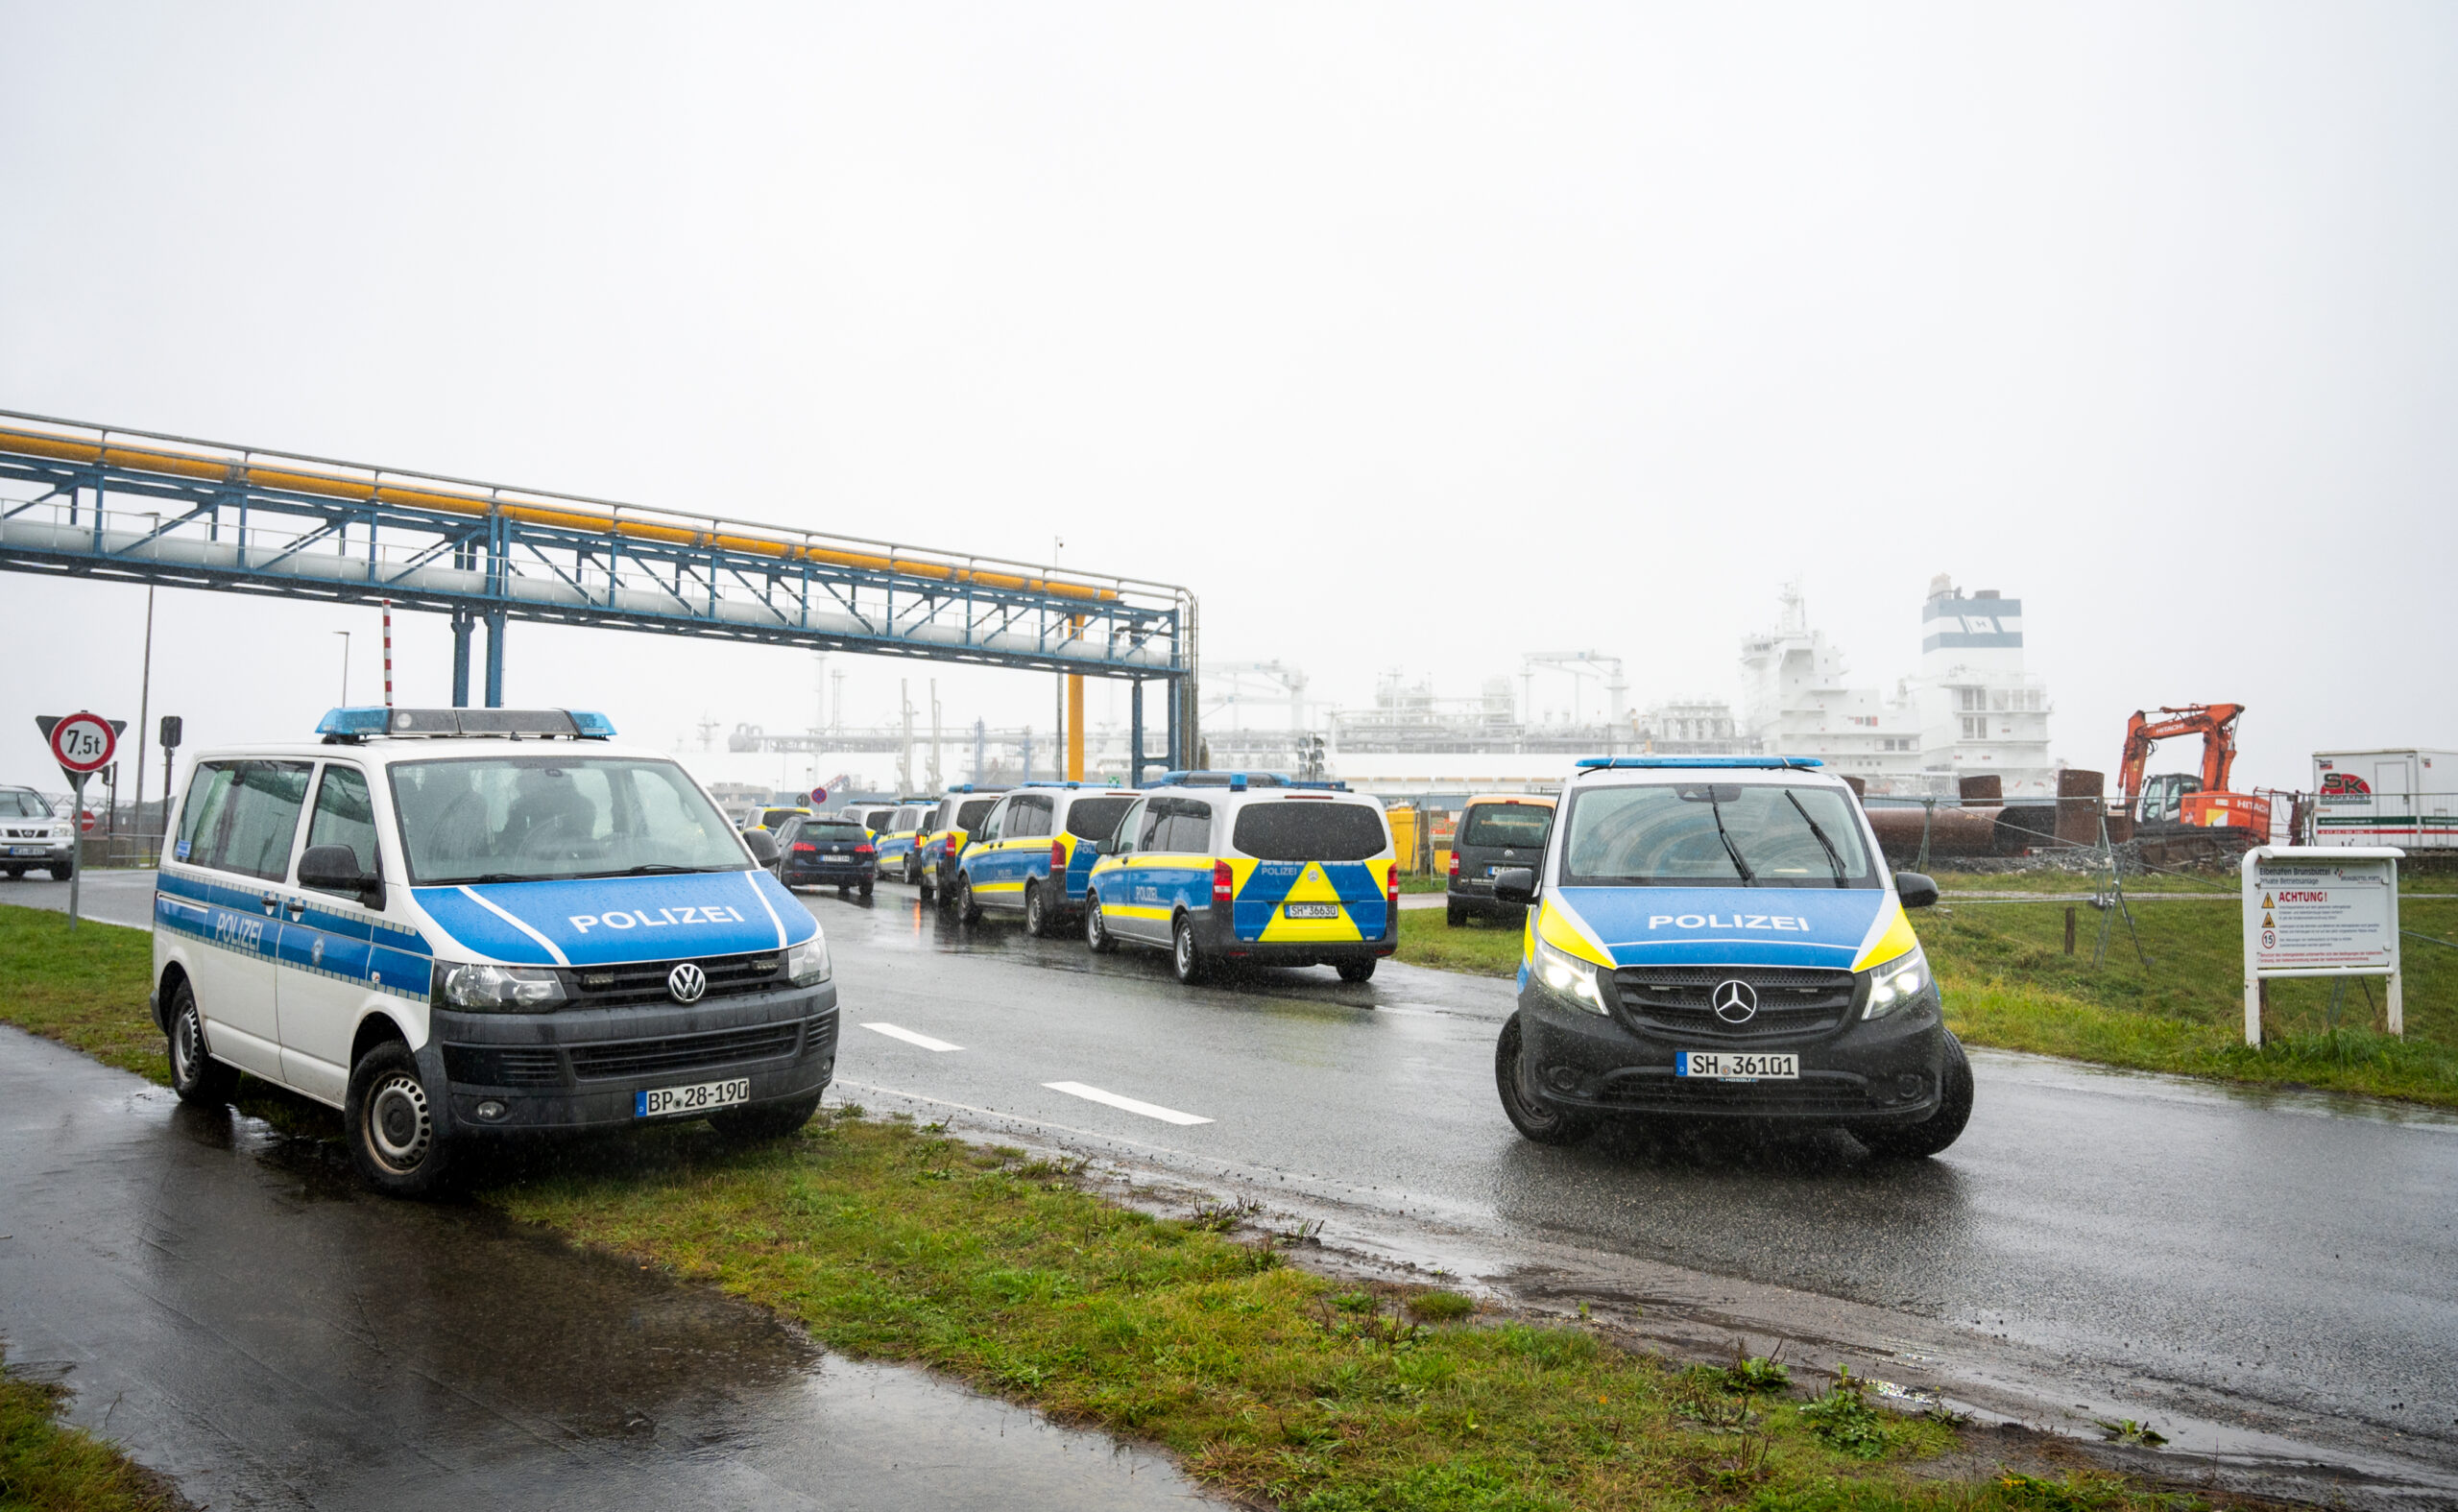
(1409,336)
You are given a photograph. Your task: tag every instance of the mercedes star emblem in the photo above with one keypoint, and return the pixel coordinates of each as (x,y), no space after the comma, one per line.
(687,982)
(1734,1002)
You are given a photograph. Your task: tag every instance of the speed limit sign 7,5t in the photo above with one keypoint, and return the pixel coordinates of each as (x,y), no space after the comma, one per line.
(83,743)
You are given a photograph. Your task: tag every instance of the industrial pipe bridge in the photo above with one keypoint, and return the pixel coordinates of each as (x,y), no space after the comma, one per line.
(137,506)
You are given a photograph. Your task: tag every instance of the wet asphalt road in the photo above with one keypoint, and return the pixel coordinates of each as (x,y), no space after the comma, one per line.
(241,1317)
(2269,1274)
(2289,1261)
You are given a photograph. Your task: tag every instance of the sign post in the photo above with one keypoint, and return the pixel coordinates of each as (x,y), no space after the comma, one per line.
(2321,911)
(82,744)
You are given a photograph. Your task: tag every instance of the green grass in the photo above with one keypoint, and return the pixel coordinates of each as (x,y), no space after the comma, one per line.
(2008,983)
(893,1242)
(45,1465)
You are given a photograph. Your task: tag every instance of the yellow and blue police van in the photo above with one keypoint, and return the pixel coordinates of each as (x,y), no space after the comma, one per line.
(1034,851)
(1720,938)
(1248,868)
(900,837)
(945,832)
(460,923)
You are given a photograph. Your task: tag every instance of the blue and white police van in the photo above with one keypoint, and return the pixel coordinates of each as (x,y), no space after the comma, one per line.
(1720,938)
(1033,852)
(459,923)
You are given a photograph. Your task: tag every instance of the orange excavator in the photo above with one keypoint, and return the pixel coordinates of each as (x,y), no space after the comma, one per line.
(2173,802)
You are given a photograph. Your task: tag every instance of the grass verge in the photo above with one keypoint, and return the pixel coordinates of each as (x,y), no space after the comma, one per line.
(2174,1005)
(894,1241)
(46,1465)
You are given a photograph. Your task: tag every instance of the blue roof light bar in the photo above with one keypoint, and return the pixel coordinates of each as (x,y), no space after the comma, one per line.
(359,723)
(1773,763)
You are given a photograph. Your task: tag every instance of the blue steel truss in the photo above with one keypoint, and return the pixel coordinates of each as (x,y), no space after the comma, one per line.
(139,506)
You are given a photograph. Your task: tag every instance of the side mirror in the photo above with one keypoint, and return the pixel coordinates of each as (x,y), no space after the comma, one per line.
(335,869)
(1515,884)
(1916,890)
(763,845)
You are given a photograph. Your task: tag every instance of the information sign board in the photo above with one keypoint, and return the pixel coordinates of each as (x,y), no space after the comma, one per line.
(2320,911)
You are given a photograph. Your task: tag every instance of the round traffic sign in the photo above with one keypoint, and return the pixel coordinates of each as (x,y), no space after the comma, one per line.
(84,742)
(819,795)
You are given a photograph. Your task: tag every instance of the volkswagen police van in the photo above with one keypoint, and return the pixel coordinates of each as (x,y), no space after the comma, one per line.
(454,922)
(1035,850)
(1253,868)
(1719,937)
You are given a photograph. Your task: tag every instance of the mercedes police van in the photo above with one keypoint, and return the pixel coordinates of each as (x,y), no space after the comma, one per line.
(899,838)
(1719,937)
(945,832)
(1246,867)
(1035,850)
(460,922)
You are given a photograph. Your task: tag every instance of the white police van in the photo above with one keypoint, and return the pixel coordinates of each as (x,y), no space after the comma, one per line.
(1719,938)
(461,921)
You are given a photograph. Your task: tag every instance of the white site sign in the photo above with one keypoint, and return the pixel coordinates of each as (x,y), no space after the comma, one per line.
(2320,911)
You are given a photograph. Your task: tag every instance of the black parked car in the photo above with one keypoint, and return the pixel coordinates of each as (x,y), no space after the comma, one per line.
(813,851)
(1494,832)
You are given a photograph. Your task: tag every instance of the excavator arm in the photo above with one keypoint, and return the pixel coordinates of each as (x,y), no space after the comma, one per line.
(2215,723)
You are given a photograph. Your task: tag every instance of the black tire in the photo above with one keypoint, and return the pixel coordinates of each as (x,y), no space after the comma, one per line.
(16,872)
(1186,957)
(1037,911)
(866,892)
(1453,915)
(1097,938)
(1534,1117)
(396,1136)
(195,1074)
(1941,1128)
(769,1121)
(63,872)
(844,890)
(1356,971)
(968,907)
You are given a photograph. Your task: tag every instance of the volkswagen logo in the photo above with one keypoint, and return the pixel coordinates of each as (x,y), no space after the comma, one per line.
(1734,1002)
(687,982)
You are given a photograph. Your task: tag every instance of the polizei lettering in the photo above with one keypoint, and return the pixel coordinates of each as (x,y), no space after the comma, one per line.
(645,919)
(1735,921)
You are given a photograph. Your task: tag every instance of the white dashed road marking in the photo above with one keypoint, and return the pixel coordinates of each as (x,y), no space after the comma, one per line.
(1147,1109)
(911,1037)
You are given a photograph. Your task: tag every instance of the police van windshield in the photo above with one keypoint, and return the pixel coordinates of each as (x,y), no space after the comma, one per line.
(514,819)
(1714,834)
(1308,829)
(22,802)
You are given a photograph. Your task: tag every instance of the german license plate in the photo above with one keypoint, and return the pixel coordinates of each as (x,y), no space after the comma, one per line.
(1310,910)
(25,849)
(706,1098)
(1717,1065)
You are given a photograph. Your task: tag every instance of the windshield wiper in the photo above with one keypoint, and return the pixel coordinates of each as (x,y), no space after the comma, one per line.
(483,878)
(1748,878)
(657,869)
(1824,844)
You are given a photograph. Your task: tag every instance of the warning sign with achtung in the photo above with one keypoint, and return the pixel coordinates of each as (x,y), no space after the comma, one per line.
(2320,917)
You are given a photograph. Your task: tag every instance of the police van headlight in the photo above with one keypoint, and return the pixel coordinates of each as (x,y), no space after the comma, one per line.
(1897,983)
(497,989)
(1567,977)
(806,965)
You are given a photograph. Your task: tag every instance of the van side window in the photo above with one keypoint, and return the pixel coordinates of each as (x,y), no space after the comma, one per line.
(998,822)
(1029,819)
(1190,828)
(344,816)
(1153,835)
(264,818)
(203,814)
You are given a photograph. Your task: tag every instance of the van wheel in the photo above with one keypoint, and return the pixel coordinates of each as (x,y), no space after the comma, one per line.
(1036,912)
(866,892)
(967,909)
(1186,957)
(1941,1128)
(770,1121)
(394,1140)
(195,1074)
(844,890)
(1097,938)
(1453,915)
(1356,970)
(1533,1118)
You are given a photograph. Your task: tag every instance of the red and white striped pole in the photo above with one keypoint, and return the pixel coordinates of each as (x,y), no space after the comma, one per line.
(387,652)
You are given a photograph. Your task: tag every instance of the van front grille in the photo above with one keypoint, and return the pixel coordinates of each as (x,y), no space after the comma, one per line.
(685,1051)
(645,981)
(1790,1001)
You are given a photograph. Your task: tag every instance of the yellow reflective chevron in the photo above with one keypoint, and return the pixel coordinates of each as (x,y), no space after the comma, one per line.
(1889,936)
(1312,886)
(1554,923)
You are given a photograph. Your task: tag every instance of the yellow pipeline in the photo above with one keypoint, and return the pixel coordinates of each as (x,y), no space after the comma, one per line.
(567,517)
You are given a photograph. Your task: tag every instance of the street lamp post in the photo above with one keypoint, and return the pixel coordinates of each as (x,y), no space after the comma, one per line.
(345,635)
